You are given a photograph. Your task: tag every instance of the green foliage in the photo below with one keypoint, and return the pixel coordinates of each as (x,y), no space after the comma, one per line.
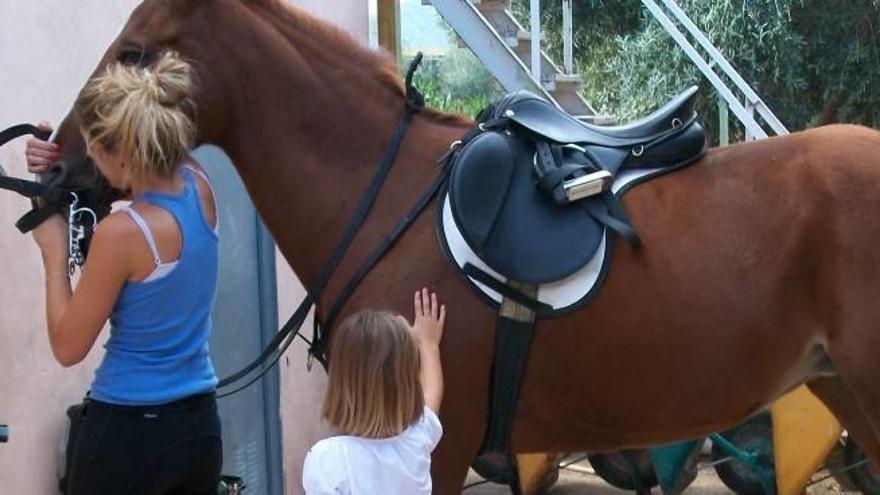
(455,83)
(812,61)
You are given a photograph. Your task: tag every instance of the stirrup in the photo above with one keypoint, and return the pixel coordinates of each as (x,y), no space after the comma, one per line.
(587,185)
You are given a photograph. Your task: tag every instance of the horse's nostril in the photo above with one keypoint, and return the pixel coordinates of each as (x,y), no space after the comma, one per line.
(56,175)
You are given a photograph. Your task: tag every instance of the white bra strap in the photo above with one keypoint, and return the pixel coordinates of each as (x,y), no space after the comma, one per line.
(203,175)
(139,220)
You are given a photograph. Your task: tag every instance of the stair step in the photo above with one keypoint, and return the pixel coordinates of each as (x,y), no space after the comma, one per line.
(597,119)
(491,4)
(513,40)
(484,4)
(569,79)
(511,37)
(569,82)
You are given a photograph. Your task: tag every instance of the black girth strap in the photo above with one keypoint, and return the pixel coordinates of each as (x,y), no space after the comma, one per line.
(507,291)
(285,336)
(514,331)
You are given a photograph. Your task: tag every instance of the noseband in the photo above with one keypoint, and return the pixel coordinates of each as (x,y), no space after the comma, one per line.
(50,197)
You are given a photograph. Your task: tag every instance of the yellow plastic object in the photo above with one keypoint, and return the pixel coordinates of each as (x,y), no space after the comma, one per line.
(804,432)
(537,472)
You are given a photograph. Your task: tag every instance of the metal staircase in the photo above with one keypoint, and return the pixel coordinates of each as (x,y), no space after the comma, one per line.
(514,56)
(507,49)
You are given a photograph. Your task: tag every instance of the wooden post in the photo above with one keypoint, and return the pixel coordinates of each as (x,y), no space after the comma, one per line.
(388,12)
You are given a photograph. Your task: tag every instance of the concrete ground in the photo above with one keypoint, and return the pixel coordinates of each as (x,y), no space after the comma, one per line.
(579,479)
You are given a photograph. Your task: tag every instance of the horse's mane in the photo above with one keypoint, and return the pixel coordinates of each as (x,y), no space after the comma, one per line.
(382,66)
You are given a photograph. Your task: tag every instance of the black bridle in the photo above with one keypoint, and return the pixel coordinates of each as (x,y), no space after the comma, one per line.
(53,195)
(318,345)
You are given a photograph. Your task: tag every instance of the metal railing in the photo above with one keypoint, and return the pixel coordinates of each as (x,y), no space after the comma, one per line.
(567,37)
(743,110)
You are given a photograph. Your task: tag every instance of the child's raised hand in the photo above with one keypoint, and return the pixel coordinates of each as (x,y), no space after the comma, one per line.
(429,318)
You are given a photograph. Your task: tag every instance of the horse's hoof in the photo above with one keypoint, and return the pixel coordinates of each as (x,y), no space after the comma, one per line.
(496,467)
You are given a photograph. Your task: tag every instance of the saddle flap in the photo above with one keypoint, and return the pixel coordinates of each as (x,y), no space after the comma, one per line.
(487,169)
(512,226)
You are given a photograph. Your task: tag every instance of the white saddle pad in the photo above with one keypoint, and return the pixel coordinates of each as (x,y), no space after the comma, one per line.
(564,295)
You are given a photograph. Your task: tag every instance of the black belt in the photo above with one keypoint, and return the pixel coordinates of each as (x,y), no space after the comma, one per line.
(186,404)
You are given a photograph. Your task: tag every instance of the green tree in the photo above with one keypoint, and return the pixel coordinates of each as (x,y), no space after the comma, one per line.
(455,82)
(812,61)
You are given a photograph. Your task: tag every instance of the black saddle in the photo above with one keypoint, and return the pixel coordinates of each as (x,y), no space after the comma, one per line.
(542,117)
(508,186)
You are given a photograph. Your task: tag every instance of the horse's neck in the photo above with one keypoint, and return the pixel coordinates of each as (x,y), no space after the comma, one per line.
(306,164)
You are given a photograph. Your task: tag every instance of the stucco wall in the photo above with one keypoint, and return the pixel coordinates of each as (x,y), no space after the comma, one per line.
(49,48)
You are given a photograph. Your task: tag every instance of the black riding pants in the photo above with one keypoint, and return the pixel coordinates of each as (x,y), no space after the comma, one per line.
(168,449)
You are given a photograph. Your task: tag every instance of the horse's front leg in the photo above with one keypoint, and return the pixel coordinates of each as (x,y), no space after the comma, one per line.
(462,435)
(466,354)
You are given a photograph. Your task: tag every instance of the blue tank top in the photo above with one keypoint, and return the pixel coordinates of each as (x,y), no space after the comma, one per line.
(159,329)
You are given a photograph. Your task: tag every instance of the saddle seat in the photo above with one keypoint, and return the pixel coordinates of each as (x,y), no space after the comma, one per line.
(518,229)
(542,117)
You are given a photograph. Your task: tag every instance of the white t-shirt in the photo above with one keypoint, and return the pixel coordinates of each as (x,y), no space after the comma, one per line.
(348,465)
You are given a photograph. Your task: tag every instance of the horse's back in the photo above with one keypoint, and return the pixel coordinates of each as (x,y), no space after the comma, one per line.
(736,267)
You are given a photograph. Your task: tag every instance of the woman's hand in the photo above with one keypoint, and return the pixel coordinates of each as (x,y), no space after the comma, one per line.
(40,155)
(51,237)
(429,318)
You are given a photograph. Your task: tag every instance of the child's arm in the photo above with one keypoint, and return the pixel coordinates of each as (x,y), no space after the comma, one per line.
(428,330)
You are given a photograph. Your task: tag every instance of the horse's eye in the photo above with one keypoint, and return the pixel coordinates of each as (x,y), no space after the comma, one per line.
(131,55)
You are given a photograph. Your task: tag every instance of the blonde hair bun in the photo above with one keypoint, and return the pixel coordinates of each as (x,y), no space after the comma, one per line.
(169,81)
(145,113)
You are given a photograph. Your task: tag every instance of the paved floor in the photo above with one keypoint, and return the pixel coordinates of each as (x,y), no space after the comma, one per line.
(579,479)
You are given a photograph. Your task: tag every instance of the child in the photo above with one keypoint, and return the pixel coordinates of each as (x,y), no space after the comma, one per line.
(383,395)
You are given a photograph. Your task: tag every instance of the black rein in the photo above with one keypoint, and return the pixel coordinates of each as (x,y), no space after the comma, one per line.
(275,349)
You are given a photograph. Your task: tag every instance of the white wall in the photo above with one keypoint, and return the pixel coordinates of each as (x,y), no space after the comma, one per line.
(47,50)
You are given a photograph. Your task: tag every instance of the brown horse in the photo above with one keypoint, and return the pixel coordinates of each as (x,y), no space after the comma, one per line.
(758,271)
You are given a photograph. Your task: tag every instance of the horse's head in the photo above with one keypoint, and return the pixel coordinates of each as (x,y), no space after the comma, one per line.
(229,43)
(154,27)
(270,82)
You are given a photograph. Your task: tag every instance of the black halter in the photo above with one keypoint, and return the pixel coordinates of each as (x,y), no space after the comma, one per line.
(50,197)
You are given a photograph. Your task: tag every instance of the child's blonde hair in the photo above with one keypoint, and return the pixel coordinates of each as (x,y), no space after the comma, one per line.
(374,389)
(146,113)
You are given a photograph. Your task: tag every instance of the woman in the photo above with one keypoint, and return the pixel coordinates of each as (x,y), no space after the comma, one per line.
(151,424)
